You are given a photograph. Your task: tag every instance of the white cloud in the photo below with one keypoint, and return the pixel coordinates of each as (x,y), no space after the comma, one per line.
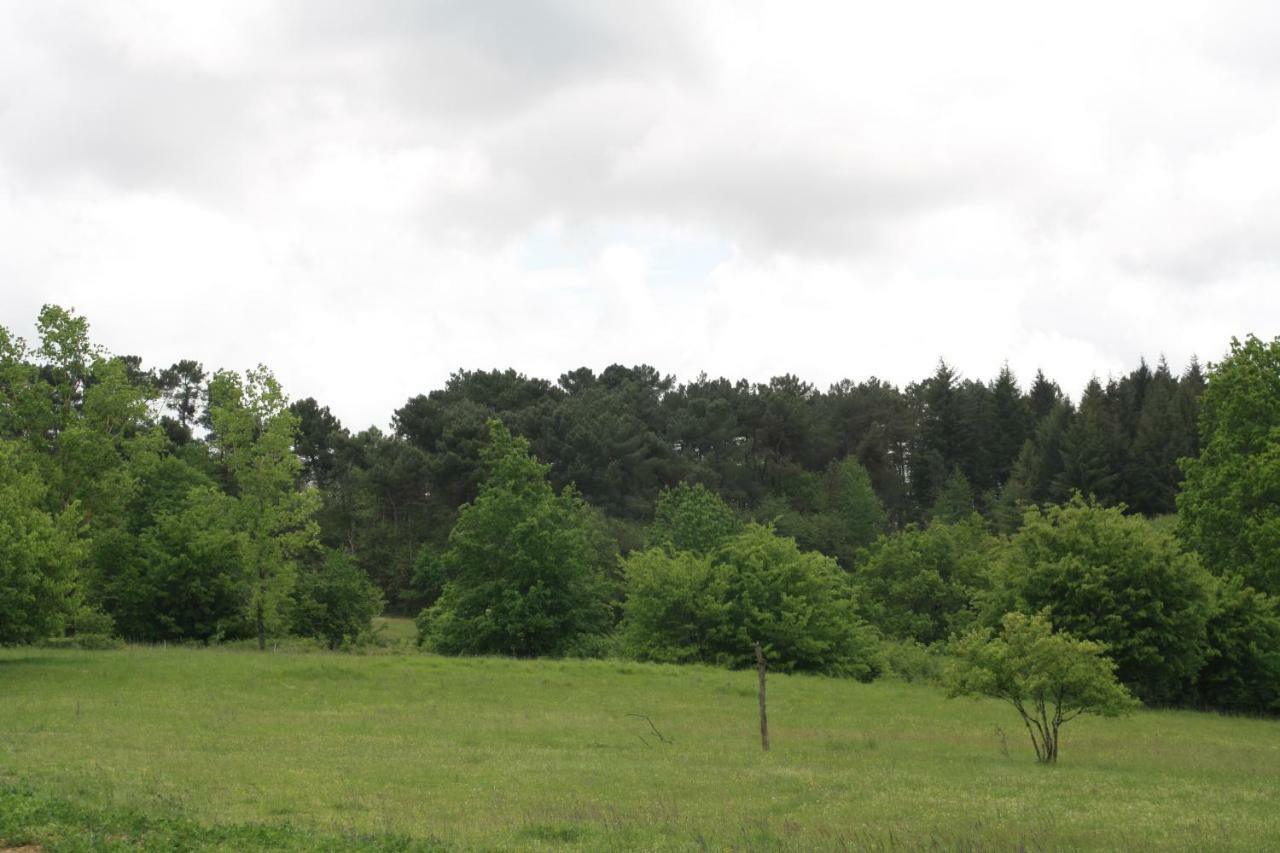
(367,196)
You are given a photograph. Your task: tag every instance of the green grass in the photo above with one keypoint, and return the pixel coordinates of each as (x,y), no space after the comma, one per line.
(188,748)
(393,630)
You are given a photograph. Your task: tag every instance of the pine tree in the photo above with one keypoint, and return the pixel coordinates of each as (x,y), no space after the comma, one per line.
(1093,450)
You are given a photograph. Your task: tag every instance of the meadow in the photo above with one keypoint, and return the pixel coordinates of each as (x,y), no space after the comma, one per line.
(165,748)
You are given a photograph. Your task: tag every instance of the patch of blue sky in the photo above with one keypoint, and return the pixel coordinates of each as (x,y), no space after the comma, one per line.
(673,258)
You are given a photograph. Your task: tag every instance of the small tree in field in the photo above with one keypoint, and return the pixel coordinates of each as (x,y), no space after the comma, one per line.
(1050,679)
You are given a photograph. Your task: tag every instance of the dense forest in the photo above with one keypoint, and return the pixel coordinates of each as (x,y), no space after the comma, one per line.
(175,503)
(776,451)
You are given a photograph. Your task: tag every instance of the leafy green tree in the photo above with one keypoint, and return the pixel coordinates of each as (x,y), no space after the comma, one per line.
(756,587)
(185,578)
(691,518)
(335,601)
(253,436)
(1104,576)
(523,578)
(1242,672)
(1049,678)
(39,554)
(851,515)
(677,607)
(1229,507)
(837,513)
(925,584)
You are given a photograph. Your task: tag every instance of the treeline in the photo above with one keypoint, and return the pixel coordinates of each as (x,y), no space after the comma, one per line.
(850,531)
(157,507)
(781,451)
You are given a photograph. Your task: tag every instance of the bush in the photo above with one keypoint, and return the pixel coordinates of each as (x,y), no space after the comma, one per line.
(756,587)
(84,642)
(336,601)
(523,565)
(923,585)
(1243,669)
(1104,576)
(691,518)
(676,608)
(1049,678)
(912,662)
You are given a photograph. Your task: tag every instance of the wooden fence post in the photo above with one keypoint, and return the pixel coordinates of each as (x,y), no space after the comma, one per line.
(764,717)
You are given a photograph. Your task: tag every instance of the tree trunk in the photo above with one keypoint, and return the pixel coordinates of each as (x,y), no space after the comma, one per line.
(764,717)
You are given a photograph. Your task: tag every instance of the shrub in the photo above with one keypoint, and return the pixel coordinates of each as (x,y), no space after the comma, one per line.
(756,587)
(923,585)
(1104,576)
(522,564)
(1049,678)
(336,601)
(677,606)
(1242,672)
(912,662)
(691,518)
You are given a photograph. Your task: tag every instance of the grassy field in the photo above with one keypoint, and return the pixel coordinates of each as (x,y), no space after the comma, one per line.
(177,748)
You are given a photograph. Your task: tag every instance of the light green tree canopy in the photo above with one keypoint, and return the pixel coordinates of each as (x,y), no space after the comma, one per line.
(253,435)
(1049,678)
(39,554)
(691,518)
(925,584)
(1229,507)
(523,578)
(1113,578)
(756,587)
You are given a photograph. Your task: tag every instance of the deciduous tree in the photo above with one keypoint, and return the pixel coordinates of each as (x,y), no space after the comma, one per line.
(1049,678)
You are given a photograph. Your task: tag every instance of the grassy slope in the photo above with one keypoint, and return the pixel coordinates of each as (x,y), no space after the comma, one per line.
(514,754)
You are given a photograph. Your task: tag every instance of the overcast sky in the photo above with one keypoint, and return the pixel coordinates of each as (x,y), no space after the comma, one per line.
(367,195)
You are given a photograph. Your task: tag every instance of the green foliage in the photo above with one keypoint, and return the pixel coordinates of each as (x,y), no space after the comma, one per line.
(757,587)
(40,553)
(1242,672)
(837,514)
(924,584)
(799,605)
(1112,578)
(1229,507)
(335,601)
(253,435)
(1094,449)
(178,572)
(677,608)
(1049,678)
(691,518)
(912,662)
(523,574)
(955,499)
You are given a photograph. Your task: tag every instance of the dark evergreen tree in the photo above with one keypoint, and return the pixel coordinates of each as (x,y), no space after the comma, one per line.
(1093,450)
